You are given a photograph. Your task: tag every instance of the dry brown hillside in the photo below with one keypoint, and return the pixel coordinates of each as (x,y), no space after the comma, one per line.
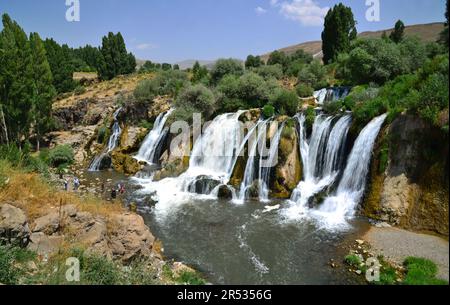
(426,32)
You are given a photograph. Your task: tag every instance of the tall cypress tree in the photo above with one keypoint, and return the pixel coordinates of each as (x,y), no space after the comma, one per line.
(398,33)
(339,31)
(116,60)
(43,90)
(16,87)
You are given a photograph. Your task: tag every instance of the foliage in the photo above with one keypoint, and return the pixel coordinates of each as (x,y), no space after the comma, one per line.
(169,82)
(61,155)
(398,32)
(278,58)
(285,101)
(310,115)
(353,260)
(378,60)
(304,90)
(421,271)
(79,90)
(253,62)
(269,72)
(194,99)
(313,75)
(226,67)
(116,59)
(146,90)
(199,73)
(10,257)
(339,31)
(268,111)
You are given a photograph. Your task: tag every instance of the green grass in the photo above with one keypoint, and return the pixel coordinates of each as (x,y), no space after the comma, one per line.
(11,264)
(353,260)
(421,271)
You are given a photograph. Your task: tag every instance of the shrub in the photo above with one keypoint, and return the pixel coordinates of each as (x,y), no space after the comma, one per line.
(313,75)
(310,116)
(333,107)
(353,260)
(285,101)
(268,111)
(304,90)
(102,134)
(9,272)
(146,90)
(226,67)
(195,99)
(61,155)
(79,90)
(268,72)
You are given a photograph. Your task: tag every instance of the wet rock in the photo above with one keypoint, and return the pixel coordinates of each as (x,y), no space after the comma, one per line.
(13,226)
(203,185)
(225,192)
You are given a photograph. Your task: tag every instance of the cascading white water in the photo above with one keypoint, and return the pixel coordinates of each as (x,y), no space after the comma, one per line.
(212,158)
(321,159)
(149,146)
(112,143)
(265,166)
(330,94)
(321,156)
(352,185)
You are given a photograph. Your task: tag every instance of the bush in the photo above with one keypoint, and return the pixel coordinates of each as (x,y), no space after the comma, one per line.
(103,134)
(310,116)
(304,90)
(10,258)
(313,75)
(61,156)
(285,101)
(146,90)
(226,67)
(268,111)
(195,99)
(79,90)
(269,72)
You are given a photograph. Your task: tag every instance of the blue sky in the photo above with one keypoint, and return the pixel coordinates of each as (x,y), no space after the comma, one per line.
(175,30)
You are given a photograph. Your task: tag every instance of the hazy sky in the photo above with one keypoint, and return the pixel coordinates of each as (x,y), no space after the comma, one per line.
(174,30)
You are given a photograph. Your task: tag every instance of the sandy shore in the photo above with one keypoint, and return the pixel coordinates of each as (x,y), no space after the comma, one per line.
(396,245)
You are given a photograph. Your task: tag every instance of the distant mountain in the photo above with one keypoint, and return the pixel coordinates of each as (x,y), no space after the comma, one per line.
(189,63)
(426,32)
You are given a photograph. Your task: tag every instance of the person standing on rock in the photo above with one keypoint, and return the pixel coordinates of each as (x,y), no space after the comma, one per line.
(76,184)
(66,185)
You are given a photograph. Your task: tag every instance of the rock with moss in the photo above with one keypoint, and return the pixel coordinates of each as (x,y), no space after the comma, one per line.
(409,177)
(288,171)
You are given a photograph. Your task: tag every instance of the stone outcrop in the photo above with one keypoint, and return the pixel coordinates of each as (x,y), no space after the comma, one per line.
(409,184)
(13,226)
(121,236)
(288,171)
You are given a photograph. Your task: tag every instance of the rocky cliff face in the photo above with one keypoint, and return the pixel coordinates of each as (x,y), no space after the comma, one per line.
(409,184)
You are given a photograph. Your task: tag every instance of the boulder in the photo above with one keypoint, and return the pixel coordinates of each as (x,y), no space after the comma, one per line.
(45,245)
(130,237)
(13,226)
(203,185)
(225,192)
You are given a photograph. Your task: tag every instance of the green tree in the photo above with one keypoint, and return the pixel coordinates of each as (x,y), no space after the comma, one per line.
(61,66)
(278,57)
(224,67)
(176,67)
(16,86)
(199,73)
(116,60)
(43,90)
(253,62)
(339,31)
(286,102)
(166,66)
(398,33)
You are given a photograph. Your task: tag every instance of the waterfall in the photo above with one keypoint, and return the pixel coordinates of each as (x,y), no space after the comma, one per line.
(322,157)
(211,163)
(265,163)
(265,166)
(331,94)
(112,143)
(352,185)
(148,149)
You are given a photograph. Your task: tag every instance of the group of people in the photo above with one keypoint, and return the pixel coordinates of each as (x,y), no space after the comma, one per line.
(119,190)
(75,181)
